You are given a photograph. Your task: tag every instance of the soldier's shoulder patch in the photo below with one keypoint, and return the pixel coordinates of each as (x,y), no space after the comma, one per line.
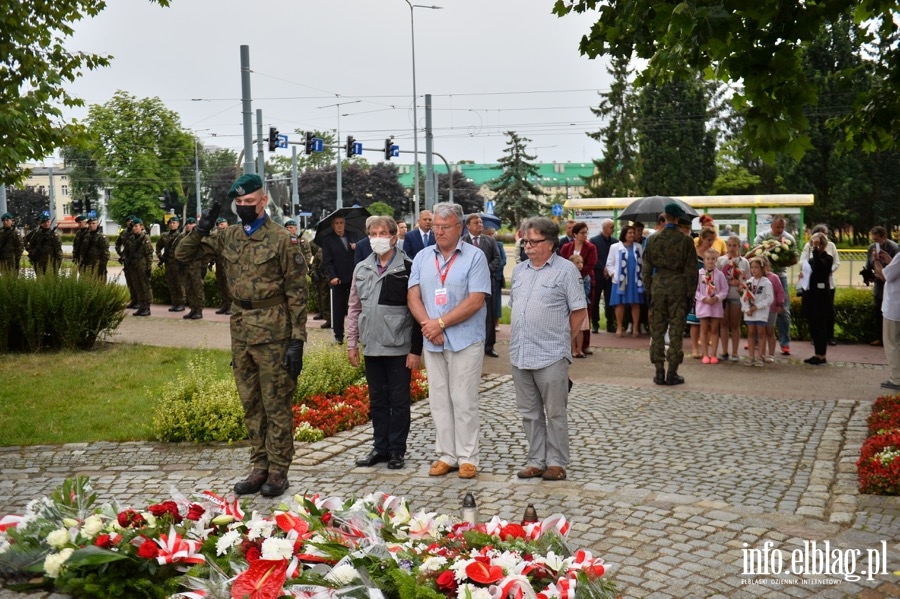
(299,259)
(294,240)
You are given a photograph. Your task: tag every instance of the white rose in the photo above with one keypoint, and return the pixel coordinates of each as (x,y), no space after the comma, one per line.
(58,538)
(274,548)
(53,562)
(92,526)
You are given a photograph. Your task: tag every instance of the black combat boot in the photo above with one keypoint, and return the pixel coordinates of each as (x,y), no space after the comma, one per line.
(276,484)
(177,308)
(143,311)
(253,483)
(660,378)
(673,378)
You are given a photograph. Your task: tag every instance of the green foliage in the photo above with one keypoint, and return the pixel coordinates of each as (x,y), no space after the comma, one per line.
(199,406)
(380,208)
(517,197)
(854,317)
(326,370)
(63,311)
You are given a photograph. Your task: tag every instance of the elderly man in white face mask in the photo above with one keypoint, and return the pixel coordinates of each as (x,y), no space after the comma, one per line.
(379,319)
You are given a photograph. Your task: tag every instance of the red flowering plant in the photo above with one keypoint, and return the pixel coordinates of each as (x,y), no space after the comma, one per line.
(879,460)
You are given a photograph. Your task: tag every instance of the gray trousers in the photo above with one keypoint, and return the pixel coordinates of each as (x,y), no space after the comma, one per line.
(542,397)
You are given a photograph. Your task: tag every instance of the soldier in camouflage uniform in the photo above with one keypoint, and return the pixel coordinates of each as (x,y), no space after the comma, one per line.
(44,247)
(267,276)
(221,279)
(11,246)
(291,226)
(670,276)
(193,272)
(138,256)
(80,220)
(121,240)
(94,251)
(320,281)
(165,252)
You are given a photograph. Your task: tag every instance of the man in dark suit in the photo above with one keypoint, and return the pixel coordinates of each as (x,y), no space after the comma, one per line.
(363,247)
(337,255)
(487,245)
(420,237)
(602,280)
(568,237)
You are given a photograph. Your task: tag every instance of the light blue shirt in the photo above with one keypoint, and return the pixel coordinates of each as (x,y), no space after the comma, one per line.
(468,274)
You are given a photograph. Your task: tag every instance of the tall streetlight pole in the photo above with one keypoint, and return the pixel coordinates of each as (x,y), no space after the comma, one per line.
(339,202)
(412,27)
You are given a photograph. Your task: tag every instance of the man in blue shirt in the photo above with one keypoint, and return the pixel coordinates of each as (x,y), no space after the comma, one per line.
(448,285)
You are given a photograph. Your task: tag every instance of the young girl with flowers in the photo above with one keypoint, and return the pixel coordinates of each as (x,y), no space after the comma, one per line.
(756,299)
(711,291)
(777,307)
(578,336)
(736,269)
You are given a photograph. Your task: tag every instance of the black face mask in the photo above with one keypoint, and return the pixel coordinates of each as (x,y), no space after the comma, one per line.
(247,214)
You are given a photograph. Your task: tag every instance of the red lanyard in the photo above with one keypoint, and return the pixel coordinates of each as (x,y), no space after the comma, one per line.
(442,273)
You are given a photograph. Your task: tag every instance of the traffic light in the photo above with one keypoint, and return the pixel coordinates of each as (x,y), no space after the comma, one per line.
(387,148)
(350,142)
(273,139)
(77,207)
(286,209)
(87,204)
(309,143)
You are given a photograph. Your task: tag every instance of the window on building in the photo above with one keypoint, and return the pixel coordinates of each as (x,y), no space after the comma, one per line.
(65,190)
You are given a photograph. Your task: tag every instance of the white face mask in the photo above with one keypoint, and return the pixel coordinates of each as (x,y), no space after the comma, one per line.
(380,245)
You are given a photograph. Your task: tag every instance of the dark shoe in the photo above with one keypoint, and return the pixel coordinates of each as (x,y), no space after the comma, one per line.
(530,472)
(785,350)
(554,473)
(196,315)
(275,485)
(491,353)
(131,306)
(372,458)
(325,325)
(889,385)
(339,340)
(588,352)
(816,361)
(143,312)
(877,343)
(673,378)
(253,483)
(227,312)
(595,330)
(396,462)
(174,308)
(832,342)
(222,310)
(660,378)
(578,356)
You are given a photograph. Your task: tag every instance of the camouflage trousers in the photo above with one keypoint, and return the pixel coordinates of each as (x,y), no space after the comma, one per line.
(193,285)
(267,395)
(174,283)
(222,286)
(323,297)
(94,268)
(141,293)
(668,311)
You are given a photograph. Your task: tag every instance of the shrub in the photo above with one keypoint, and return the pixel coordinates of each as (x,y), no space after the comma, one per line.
(854,317)
(63,311)
(199,406)
(326,371)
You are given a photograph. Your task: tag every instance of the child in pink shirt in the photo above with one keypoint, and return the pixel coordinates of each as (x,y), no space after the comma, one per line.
(712,288)
(777,308)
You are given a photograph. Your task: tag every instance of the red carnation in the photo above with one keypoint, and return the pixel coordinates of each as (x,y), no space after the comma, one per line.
(195,511)
(148,550)
(103,541)
(447,582)
(512,531)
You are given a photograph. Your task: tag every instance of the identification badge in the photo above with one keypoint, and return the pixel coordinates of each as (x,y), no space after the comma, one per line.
(440,297)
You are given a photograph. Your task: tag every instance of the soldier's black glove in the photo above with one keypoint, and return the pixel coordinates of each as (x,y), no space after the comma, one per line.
(208,219)
(293,358)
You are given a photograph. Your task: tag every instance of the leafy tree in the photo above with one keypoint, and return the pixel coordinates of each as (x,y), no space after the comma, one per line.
(26,205)
(35,66)
(142,152)
(516,196)
(465,192)
(677,152)
(361,183)
(761,45)
(615,175)
(85,178)
(380,209)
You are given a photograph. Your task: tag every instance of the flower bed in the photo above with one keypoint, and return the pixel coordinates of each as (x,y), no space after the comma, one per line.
(879,459)
(312,547)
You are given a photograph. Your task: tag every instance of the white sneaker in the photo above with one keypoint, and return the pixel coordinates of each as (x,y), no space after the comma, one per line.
(628,330)
(734,358)
(770,359)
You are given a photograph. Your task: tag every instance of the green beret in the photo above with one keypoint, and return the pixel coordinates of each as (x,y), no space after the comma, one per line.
(290,223)
(175,218)
(190,221)
(136,221)
(130,217)
(673,209)
(44,218)
(6,215)
(80,218)
(244,185)
(221,219)
(92,219)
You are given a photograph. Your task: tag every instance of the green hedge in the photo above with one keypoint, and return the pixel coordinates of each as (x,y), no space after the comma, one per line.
(854,317)
(63,311)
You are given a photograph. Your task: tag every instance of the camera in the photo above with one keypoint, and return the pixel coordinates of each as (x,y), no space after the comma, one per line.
(868,276)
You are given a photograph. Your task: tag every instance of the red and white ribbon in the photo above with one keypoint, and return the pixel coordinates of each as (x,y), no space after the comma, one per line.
(7,522)
(173,548)
(232,508)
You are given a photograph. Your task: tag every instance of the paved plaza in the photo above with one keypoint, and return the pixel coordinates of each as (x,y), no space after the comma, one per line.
(673,487)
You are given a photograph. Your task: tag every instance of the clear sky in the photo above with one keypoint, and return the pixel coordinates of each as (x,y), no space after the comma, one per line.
(490,66)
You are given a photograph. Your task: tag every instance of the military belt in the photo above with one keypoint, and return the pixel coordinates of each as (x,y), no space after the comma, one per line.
(256,304)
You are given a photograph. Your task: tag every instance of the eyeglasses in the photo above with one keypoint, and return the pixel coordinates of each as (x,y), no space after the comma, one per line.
(532,241)
(443,227)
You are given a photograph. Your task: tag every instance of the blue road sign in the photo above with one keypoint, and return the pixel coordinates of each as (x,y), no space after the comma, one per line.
(282,141)
(304,214)
(92,214)
(317,144)
(357,149)
(557,210)
(395,150)
(489,207)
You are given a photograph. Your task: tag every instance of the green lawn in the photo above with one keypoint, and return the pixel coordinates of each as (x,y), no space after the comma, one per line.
(102,395)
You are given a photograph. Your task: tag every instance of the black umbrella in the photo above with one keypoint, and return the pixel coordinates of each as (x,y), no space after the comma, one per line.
(355,219)
(647,210)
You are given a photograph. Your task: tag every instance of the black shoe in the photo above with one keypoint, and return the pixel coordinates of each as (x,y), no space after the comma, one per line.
(173,309)
(325,325)
(595,330)
(131,306)
(188,315)
(196,315)
(491,353)
(610,329)
(142,312)
(177,308)
(275,485)
(816,361)
(888,384)
(372,458)
(396,462)
(339,340)
(660,378)
(222,310)
(253,483)
(673,378)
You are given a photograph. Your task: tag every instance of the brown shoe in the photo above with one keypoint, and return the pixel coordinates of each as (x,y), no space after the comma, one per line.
(440,468)
(554,473)
(876,343)
(276,484)
(467,471)
(530,472)
(253,483)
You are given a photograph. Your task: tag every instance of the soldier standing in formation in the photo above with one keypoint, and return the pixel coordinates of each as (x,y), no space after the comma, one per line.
(10,246)
(193,271)
(80,220)
(121,240)
(221,279)
(320,284)
(94,251)
(138,259)
(291,226)
(165,251)
(44,247)
(267,275)
(670,278)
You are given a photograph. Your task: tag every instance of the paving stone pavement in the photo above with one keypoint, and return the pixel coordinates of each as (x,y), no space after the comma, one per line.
(671,489)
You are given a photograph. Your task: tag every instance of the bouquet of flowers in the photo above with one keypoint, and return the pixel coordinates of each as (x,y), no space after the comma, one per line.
(312,547)
(781,253)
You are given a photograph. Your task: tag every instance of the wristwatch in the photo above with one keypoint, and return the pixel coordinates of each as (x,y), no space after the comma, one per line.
(441,323)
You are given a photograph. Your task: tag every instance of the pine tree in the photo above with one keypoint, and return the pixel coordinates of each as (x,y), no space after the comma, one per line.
(517,198)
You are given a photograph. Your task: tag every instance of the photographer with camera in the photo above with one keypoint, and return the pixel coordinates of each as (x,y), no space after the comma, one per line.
(880,242)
